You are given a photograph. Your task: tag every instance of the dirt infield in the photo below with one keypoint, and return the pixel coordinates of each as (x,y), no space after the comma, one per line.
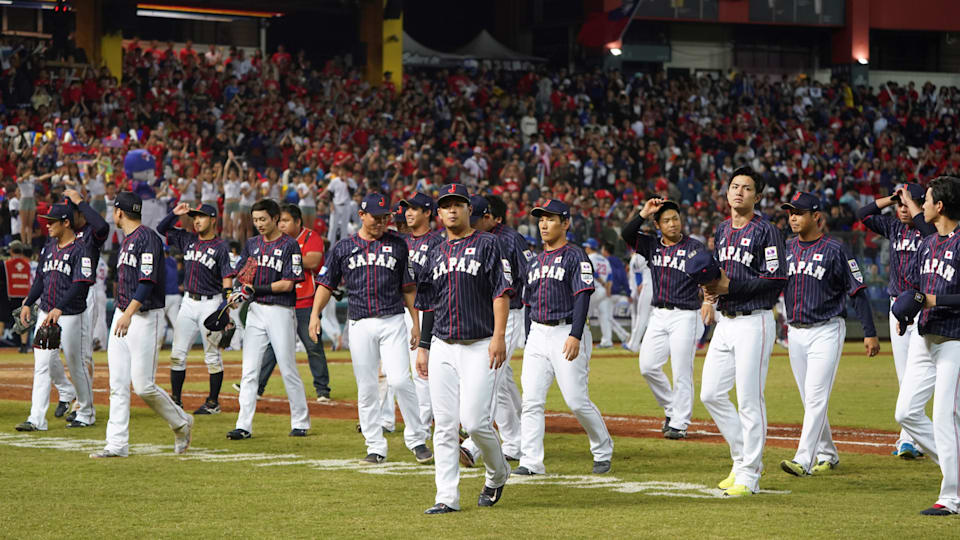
(16,381)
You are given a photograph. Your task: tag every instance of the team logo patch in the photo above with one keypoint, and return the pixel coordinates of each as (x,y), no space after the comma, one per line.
(745,242)
(146,258)
(528,254)
(586,273)
(469,251)
(388,249)
(818,256)
(146,269)
(86,266)
(947,254)
(278,252)
(256,251)
(773,262)
(691,255)
(855,270)
(770,252)
(507,272)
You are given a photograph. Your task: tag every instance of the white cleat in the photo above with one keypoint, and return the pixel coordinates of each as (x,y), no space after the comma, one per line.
(182,436)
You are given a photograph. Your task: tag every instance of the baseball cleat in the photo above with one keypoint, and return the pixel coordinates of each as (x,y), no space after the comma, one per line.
(523,471)
(937,510)
(463,434)
(78,424)
(179,402)
(823,466)
(182,436)
(26,426)
(675,434)
(106,454)
(373,459)
(423,454)
(510,458)
(236,386)
(386,431)
(208,407)
(908,451)
(728,482)
(71,417)
(601,467)
(490,496)
(466,458)
(359,430)
(238,434)
(62,408)
(324,399)
(794,468)
(297,432)
(737,490)
(439,508)
(666,425)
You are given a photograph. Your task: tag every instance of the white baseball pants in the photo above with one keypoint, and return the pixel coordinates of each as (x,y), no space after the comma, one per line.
(901,349)
(543,360)
(277,326)
(462,390)
(171,310)
(814,357)
(421,385)
(47,368)
(339,223)
(99,314)
(189,322)
(739,355)
(133,358)
(640,316)
(672,334)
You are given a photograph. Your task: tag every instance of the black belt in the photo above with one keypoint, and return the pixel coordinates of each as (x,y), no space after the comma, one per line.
(199,297)
(733,314)
(664,305)
(568,320)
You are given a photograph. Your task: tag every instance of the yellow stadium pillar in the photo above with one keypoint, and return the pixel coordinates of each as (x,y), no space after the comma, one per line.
(392,56)
(381,29)
(111,53)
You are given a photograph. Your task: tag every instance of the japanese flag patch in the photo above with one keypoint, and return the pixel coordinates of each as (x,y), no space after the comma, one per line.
(773,262)
(388,249)
(559,260)
(818,256)
(947,254)
(424,247)
(278,252)
(745,242)
(470,251)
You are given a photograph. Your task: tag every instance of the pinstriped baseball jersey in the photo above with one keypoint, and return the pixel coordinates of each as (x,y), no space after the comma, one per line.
(205,262)
(59,269)
(672,285)
(754,251)
(514,248)
(822,273)
(418,246)
(553,278)
(277,260)
(903,245)
(141,259)
(458,283)
(375,273)
(936,273)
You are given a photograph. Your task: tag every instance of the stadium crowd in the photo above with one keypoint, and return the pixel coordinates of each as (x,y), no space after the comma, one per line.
(226,128)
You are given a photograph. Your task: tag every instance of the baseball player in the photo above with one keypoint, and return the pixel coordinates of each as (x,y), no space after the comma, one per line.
(601,305)
(208,278)
(271,319)
(821,274)
(641,296)
(61,285)
(375,266)
(132,347)
(558,285)
(936,344)
(173,294)
(488,215)
(750,251)
(675,324)
(905,231)
(462,290)
(16,280)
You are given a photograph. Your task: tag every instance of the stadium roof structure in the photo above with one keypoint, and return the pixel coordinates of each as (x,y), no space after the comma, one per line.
(418,54)
(485,47)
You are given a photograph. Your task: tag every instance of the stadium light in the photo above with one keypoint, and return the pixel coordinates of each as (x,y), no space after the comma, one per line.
(616,51)
(863,61)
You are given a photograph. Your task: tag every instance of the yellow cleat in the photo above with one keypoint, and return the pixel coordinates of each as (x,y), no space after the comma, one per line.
(728,482)
(738,490)
(823,466)
(792,467)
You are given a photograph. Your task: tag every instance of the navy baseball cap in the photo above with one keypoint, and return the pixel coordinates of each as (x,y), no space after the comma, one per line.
(917,192)
(802,201)
(480,207)
(703,268)
(554,207)
(591,243)
(398,214)
(203,210)
(667,205)
(375,204)
(454,190)
(419,200)
(129,201)
(59,212)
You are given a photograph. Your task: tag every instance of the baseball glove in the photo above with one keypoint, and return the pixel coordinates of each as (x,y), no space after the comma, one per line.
(18,327)
(47,337)
(219,319)
(223,337)
(908,305)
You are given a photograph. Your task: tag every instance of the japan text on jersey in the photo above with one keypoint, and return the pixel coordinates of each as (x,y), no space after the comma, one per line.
(513,246)
(60,268)
(672,285)
(418,246)
(904,242)
(821,275)
(277,260)
(936,274)
(754,251)
(553,279)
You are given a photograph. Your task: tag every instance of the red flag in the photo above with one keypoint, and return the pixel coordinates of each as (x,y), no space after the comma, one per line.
(603,27)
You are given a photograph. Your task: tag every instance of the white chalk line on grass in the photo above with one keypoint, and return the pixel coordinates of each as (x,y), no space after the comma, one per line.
(654,488)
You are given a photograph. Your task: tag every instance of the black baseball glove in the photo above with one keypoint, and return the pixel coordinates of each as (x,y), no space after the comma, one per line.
(223,337)
(47,337)
(906,308)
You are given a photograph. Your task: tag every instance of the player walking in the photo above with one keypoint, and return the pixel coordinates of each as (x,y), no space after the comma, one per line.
(208,278)
(822,272)
(271,319)
(750,250)
(601,305)
(462,291)
(641,300)
(675,325)
(559,283)
(905,231)
(63,277)
(132,346)
(936,344)
(380,283)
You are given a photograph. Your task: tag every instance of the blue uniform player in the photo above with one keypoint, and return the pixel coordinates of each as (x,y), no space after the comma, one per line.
(750,252)
(207,276)
(63,277)
(463,291)
(822,274)
(936,345)
(380,284)
(675,324)
(271,319)
(904,230)
(557,288)
(132,347)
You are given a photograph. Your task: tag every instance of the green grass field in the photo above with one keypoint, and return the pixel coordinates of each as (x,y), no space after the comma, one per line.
(275,486)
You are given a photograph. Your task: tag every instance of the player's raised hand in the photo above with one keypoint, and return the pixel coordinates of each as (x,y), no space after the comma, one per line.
(872,346)
(181,209)
(571,348)
(650,207)
(423,360)
(498,352)
(314,329)
(123,324)
(73,195)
